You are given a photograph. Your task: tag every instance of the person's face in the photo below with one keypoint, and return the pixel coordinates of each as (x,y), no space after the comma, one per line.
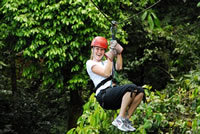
(98,53)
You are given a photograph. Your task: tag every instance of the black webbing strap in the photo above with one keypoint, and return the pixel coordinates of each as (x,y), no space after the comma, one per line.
(103,82)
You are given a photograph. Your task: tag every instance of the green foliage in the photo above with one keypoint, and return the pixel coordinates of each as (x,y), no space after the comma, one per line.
(49,43)
(198,4)
(162,113)
(94,119)
(151,19)
(162,46)
(58,33)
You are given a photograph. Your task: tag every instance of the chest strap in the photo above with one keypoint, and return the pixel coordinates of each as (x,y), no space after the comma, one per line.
(103,82)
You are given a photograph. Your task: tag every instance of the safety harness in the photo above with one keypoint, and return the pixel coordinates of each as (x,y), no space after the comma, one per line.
(103,82)
(136,90)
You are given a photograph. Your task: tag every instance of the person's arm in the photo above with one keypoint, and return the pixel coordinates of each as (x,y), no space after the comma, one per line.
(105,72)
(119,62)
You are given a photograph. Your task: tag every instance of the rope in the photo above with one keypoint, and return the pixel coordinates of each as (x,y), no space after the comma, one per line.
(101,11)
(140,12)
(128,17)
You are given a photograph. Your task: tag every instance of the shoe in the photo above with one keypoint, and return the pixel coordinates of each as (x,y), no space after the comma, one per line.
(129,125)
(120,123)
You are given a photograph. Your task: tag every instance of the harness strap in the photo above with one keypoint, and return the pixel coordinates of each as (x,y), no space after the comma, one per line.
(103,82)
(141,90)
(137,90)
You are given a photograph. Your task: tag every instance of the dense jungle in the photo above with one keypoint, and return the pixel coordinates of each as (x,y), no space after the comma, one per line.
(44,46)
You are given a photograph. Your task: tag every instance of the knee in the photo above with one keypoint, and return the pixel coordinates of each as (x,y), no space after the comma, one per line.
(128,94)
(141,95)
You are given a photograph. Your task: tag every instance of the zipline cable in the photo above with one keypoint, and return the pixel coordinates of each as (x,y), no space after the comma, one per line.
(128,17)
(101,11)
(140,12)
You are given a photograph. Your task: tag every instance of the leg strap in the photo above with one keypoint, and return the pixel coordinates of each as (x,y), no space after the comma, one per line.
(141,90)
(103,95)
(137,90)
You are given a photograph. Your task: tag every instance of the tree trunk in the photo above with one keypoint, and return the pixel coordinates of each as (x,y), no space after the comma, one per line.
(76,109)
(13,74)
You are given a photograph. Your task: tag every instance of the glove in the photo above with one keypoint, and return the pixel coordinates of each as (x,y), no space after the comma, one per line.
(116,46)
(113,44)
(115,49)
(119,48)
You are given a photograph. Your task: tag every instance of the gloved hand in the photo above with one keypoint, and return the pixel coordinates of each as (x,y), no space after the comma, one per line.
(113,44)
(116,46)
(115,49)
(119,48)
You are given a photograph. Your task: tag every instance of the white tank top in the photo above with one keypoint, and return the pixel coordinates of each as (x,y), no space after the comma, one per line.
(95,77)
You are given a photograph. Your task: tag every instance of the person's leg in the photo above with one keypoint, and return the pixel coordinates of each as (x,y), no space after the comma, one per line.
(133,105)
(126,101)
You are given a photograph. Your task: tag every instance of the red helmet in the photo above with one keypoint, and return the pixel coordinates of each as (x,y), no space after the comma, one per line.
(99,42)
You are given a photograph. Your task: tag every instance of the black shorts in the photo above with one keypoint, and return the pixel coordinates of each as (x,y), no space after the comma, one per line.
(111,98)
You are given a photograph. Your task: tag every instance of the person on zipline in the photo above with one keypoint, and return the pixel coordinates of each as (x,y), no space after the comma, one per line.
(108,94)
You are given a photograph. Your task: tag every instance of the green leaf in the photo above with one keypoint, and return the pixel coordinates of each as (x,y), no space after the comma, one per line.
(198,109)
(157,22)
(144,15)
(150,21)
(198,4)
(148,124)
(2,64)
(71,131)
(154,15)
